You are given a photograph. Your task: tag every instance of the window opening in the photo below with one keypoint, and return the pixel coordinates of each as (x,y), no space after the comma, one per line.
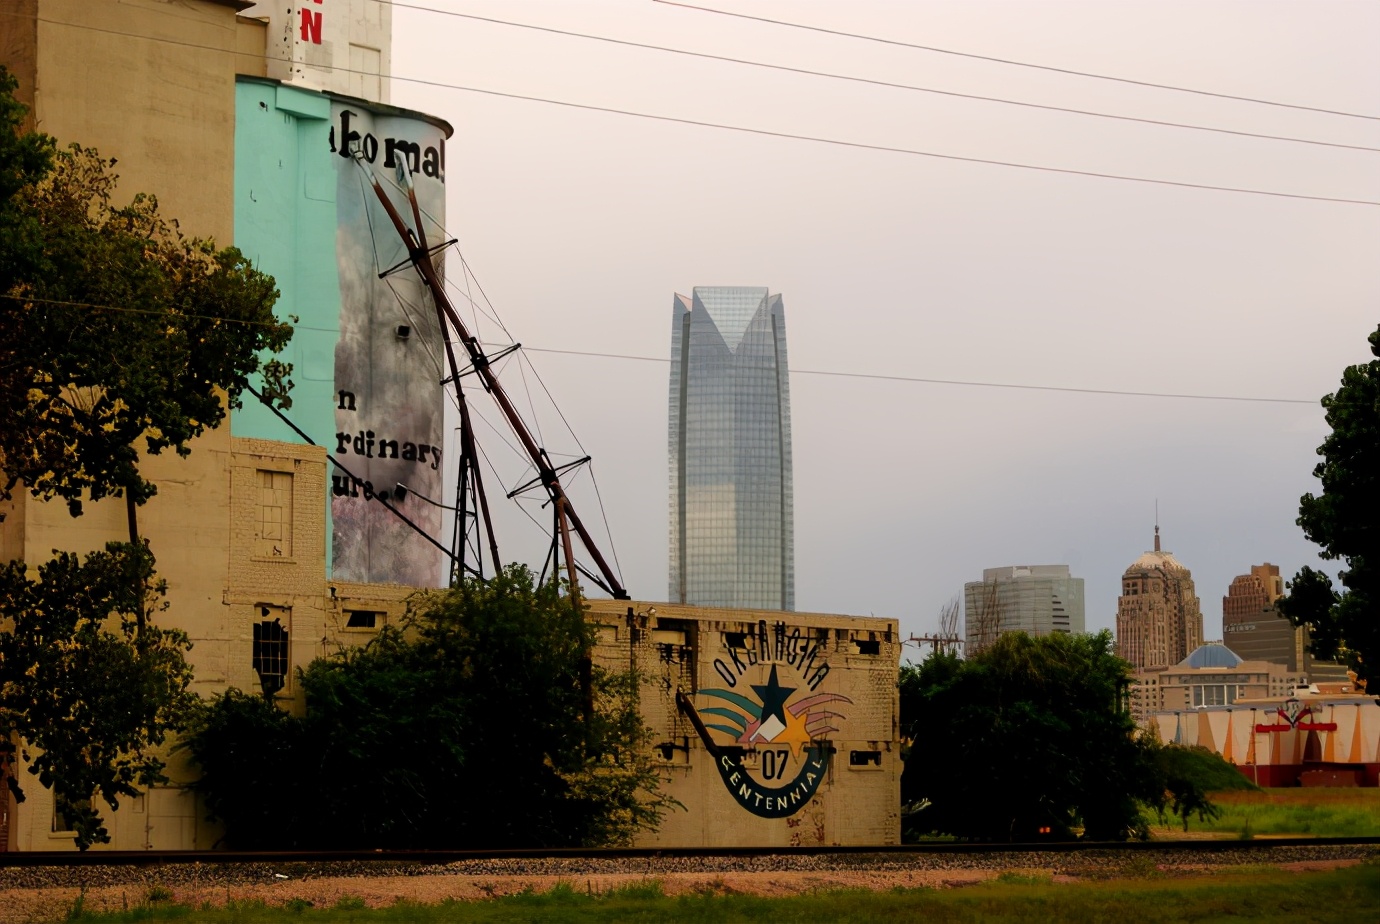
(270,658)
(65,812)
(864,758)
(273,533)
(362,619)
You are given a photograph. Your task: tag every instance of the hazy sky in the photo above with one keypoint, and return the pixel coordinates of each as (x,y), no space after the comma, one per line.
(580,226)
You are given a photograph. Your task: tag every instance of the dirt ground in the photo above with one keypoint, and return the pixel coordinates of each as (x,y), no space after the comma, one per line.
(46,903)
(51,904)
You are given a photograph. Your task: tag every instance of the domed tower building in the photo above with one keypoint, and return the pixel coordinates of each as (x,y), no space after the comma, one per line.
(1158,617)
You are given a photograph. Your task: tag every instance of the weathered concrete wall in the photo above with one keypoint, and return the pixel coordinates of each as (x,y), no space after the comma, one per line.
(835,681)
(252,584)
(151,83)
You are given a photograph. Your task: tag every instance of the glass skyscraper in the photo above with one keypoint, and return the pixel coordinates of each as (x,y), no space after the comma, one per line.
(732,529)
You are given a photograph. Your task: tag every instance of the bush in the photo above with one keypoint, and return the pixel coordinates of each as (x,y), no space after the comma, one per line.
(481,722)
(1028,740)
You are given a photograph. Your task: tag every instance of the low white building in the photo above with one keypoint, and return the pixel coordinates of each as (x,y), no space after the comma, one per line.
(1034,599)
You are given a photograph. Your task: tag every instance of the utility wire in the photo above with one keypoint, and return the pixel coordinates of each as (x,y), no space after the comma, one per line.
(1013,63)
(169,314)
(826,372)
(837,142)
(492,314)
(336,462)
(970,384)
(878,83)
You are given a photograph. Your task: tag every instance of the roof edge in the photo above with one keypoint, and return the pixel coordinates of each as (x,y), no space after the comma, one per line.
(373,106)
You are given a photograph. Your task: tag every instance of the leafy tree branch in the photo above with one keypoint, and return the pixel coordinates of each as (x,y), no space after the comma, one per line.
(1342,521)
(89,696)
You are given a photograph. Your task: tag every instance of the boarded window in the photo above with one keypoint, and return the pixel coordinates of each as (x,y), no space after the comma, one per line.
(273,527)
(365,65)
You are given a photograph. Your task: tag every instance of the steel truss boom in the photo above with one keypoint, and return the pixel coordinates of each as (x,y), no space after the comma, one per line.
(566,519)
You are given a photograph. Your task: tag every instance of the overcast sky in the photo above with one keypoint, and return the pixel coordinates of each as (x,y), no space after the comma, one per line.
(581,225)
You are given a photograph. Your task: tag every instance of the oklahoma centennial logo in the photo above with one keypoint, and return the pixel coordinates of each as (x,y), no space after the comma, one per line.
(782,726)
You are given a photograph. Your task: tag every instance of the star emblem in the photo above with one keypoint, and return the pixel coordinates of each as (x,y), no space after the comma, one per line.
(795,734)
(773,697)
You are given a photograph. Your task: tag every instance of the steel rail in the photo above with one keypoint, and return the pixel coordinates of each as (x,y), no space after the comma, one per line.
(98,857)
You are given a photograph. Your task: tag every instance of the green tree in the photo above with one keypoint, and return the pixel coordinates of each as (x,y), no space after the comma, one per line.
(118,336)
(1027,739)
(480,722)
(1343,522)
(130,338)
(25,159)
(95,696)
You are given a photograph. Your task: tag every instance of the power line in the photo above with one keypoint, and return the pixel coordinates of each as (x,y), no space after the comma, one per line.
(1068,171)
(837,142)
(969,384)
(168,314)
(1013,63)
(824,372)
(873,82)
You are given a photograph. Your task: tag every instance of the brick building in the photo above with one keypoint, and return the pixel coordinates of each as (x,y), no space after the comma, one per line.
(1158,617)
(1253,628)
(251,530)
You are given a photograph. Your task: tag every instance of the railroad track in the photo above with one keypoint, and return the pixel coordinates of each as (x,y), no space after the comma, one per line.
(893,853)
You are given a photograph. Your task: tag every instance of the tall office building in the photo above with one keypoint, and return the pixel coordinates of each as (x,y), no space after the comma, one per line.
(732,532)
(1034,599)
(1158,617)
(1250,625)
(1254,629)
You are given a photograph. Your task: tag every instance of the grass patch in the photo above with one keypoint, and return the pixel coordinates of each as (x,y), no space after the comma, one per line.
(1299,812)
(1249,895)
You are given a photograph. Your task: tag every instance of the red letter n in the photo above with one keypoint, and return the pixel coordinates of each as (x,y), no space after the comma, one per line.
(311,27)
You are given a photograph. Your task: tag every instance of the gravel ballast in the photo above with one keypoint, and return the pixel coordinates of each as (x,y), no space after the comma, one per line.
(44,893)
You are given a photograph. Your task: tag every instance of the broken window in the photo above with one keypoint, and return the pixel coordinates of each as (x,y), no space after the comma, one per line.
(362,619)
(868,647)
(676,641)
(271,649)
(273,525)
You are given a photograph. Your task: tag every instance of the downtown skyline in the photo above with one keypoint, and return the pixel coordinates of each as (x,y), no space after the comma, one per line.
(577,222)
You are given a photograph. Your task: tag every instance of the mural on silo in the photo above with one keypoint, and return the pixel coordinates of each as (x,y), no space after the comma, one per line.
(389,415)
